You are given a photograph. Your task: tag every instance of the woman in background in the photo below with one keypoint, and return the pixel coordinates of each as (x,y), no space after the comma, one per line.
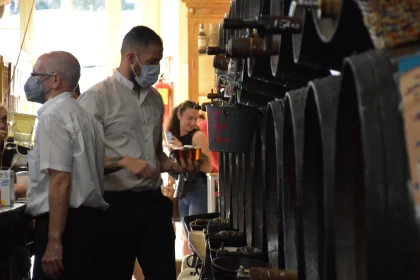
(183,125)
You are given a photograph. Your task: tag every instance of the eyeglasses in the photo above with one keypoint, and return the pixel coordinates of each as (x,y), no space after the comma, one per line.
(42,74)
(49,74)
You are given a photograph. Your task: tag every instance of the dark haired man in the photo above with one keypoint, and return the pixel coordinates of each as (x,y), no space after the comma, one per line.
(130,110)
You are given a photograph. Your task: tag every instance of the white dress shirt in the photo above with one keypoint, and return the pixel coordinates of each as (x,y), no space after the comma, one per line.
(132,125)
(67,139)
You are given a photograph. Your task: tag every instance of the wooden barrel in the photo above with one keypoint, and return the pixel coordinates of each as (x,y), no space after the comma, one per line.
(282,64)
(360,181)
(259,68)
(274,181)
(228,189)
(234,176)
(248,193)
(236,12)
(292,176)
(252,9)
(229,34)
(257,8)
(345,32)
(278,8)
(258,92)
(222,183)
(241,173)
(240,9)
(371,175)
(258,189)
(308,49)
(317,190)
(221,42)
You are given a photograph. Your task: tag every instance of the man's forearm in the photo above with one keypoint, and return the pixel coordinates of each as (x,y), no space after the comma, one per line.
(58,199)
(112,164)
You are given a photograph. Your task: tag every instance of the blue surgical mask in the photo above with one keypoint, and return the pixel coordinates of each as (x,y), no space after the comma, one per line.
(34,90)
(149,74)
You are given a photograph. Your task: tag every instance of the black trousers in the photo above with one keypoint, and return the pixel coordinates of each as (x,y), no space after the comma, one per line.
(83,242)
(139,225)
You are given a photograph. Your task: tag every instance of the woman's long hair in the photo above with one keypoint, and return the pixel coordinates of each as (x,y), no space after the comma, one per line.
(173,123)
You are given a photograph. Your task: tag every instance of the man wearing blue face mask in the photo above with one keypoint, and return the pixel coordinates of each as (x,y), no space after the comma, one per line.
(139,220)
(65,188)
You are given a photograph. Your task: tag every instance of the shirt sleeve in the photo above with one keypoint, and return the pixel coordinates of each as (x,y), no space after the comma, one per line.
(55,145)
(94,104)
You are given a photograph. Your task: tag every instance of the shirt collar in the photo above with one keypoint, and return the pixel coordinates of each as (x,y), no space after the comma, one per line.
(53,101)
(123,80)
(130,85)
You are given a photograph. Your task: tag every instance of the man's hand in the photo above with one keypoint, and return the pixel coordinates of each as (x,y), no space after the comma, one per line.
(176,168)
(3,135)
(139,167)
(52,261)
(58,198)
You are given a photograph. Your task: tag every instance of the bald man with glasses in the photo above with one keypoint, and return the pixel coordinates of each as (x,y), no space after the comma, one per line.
(66,173)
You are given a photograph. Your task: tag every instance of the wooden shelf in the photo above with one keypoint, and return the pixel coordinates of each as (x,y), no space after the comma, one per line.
(201,12)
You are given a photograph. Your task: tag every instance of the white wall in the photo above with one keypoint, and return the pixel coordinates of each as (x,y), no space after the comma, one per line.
(174,32)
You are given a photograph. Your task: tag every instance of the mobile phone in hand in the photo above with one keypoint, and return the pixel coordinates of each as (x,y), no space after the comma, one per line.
(169,136)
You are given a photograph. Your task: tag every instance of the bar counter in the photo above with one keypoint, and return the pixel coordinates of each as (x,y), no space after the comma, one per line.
(10,215)
(15,242)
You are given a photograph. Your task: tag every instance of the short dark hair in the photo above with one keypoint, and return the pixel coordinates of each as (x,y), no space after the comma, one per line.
(140,36)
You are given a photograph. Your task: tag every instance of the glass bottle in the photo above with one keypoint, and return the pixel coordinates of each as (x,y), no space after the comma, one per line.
(202,40)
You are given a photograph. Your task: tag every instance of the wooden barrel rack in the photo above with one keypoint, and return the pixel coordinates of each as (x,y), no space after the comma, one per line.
(324,189)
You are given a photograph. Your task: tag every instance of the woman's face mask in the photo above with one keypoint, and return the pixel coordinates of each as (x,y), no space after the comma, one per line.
(149,74)
(34,89)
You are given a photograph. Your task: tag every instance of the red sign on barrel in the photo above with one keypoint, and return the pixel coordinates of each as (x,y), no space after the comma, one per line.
(231,129)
